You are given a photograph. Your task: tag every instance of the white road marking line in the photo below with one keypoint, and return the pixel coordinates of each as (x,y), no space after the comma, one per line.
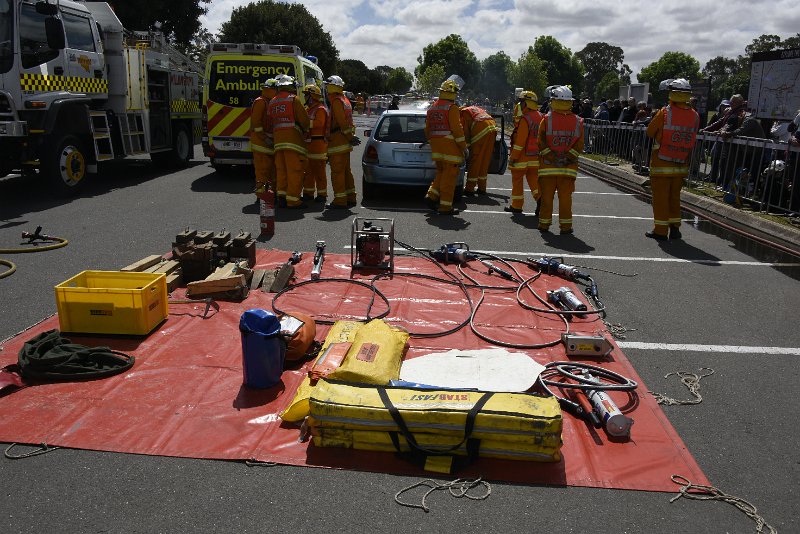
(574,215)
(734,349)
(636,258)
(574,193)
(551,254)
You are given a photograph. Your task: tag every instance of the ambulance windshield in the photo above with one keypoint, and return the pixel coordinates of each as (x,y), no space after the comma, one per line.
(237,82)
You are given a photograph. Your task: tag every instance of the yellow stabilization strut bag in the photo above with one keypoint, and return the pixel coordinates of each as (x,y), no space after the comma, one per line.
(374,356)
(434,425)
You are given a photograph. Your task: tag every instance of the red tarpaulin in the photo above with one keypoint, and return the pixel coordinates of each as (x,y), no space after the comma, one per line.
(184,396)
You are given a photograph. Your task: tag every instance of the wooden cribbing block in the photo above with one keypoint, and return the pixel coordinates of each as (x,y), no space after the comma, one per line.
(142,264)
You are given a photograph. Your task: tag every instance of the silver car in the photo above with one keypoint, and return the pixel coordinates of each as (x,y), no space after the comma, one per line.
(398,154)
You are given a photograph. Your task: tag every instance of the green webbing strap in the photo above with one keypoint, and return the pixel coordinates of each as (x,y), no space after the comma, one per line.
(51,357)
(401,424)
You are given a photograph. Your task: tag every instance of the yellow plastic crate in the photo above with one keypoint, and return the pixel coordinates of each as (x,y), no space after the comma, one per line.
(110,302)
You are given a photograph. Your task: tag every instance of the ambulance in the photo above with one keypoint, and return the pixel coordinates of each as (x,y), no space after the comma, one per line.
(233,77)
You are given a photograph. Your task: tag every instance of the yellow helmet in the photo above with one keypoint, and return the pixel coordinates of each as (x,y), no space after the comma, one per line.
(449,86)
(312,89)
(529,96)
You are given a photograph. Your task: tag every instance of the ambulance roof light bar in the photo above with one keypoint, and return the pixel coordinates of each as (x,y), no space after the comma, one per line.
(256,48)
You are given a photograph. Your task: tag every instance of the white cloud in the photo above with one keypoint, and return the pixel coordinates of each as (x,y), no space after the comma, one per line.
(394,32)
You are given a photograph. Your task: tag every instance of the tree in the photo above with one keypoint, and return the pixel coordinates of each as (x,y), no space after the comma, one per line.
(608,87)
(178,19)
(494,80)
(670,65)
(455,57)
(529,73)
(429,80)
(763,43)
(356,75)
(399,81)
(791,42)
(598,60)
(719,71)
(273,22)
(378,78)
(560,65)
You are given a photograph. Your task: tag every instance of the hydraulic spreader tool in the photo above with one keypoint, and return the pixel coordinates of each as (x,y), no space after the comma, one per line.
(319,259)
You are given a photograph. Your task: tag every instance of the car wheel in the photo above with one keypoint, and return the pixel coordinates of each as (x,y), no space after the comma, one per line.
(181,151)
(65,167)
(368,190)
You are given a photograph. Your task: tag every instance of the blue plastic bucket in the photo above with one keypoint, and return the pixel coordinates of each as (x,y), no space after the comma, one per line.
(263,349)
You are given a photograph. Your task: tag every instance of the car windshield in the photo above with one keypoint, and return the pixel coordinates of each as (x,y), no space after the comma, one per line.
(6,26)
(402,129)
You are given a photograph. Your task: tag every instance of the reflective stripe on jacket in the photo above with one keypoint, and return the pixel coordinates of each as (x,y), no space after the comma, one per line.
(437,119)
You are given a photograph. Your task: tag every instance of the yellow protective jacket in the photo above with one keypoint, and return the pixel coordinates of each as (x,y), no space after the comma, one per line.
(525,139)
(560,144)
(258,139)
(320,129)
(342,129)
(445,132)
(477,124)
(290,122)
(655,131)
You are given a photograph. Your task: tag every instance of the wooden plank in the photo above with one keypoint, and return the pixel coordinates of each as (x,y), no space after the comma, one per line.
(142,264)
(174,280)
(225,271)
(221,285)
(167,267)
(258,276)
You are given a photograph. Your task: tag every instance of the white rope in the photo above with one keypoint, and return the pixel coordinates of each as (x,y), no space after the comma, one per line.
(692,383)
(710,493)
(458,488)
(617,331)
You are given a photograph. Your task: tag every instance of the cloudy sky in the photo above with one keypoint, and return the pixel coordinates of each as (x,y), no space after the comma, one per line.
(394,32)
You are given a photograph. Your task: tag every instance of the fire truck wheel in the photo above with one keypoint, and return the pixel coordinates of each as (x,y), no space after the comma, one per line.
(65,167)
(181,146)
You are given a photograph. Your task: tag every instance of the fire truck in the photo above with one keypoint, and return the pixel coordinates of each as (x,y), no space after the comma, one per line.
(78,89)
(232,81)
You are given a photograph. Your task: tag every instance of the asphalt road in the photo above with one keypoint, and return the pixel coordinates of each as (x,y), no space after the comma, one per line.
(731,301)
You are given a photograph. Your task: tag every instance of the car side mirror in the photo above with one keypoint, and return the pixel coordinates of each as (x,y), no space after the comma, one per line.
(367,133)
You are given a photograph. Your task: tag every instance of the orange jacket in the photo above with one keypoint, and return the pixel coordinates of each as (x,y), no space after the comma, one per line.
(477,123)
(342,129)
(289,122)
(674,133)
(560,144)
(320,129)
(525,139)
(444,131)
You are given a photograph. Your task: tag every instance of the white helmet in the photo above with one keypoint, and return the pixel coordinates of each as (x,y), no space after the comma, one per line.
(561,92)
(285,81)
(335,80)
(775,166)
(681,84)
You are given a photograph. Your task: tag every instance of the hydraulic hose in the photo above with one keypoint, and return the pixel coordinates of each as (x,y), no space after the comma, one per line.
(57,242)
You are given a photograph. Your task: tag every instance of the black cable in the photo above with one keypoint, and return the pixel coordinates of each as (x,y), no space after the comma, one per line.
(372,289)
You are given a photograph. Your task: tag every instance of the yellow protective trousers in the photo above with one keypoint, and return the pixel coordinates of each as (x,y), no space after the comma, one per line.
(666,203)
(342,182)
(264,166)
(444,185)
(316,179)
(478,167)
(548,185)
(531,175)
(290,166)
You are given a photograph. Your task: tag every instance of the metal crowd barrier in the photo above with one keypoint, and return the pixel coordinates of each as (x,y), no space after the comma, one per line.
(761,174)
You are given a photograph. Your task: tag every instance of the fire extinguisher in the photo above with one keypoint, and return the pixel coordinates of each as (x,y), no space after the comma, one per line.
(266,204)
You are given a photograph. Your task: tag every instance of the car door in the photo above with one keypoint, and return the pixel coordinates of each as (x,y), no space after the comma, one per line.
(85,61)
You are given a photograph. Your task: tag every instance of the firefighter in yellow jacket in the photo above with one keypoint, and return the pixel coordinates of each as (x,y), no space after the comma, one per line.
(479,133)
(340,145)
(261,137)
(316,180)
(674,133)
(524,158)
(560,144)
(289,124)
(446,135)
